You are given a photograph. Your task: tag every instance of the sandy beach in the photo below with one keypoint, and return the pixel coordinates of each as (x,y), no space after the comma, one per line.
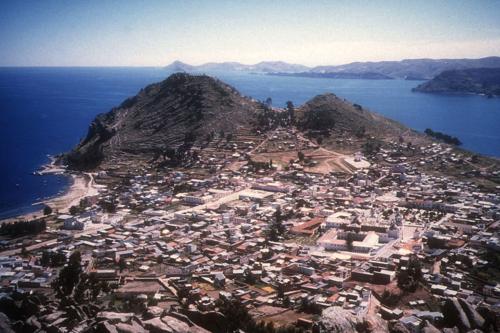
(82,186)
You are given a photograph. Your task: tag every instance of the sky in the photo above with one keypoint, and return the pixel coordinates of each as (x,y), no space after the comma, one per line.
(155,33)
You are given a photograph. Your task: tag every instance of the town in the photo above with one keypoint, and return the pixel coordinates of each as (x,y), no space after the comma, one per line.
(268,231)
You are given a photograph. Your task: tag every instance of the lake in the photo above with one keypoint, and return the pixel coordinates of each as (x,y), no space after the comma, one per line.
(46,111)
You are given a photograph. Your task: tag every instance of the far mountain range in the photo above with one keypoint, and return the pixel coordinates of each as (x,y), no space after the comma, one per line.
(409,69)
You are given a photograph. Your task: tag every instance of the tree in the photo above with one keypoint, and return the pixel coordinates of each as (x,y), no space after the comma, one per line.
(20,228)
(88,288)
(301,156)
(80,289)
(350,238)
(159,260)
(286,301)
(108,206)
(45,259)
(443,137)
(408,279)
(57,259)
(269,102)
(84,203)
(47,210)
(360,132)
(371,147)
(73,210)
(122,264)
(237,316)
(279,221)
(52,259)
(69,276)
(280,292)
(276,228)
(249,277)
(319,120)
(291,111)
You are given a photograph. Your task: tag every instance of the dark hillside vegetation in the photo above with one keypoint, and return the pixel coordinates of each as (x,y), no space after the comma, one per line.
(443,137)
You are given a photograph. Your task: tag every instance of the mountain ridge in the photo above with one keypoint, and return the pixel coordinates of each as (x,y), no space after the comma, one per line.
(263,67)
(409,69)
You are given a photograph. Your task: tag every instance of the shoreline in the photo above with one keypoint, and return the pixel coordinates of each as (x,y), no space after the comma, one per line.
(82,185)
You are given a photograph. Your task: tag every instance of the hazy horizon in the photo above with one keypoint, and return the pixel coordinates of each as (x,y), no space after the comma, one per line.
(155,33)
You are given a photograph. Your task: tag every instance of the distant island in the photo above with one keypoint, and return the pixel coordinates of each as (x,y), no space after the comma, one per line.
(408,69)
(339,75)
(411,69)
(474,80)
(261,67)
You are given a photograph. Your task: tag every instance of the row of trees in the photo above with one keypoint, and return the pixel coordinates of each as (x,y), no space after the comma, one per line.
(21,228)
(443,137)
(270,119)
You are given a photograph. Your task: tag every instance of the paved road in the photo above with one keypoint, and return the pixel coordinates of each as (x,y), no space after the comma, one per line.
(225,199)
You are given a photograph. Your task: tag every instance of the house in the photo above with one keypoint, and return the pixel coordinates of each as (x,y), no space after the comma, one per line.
(73,224)
(412,323)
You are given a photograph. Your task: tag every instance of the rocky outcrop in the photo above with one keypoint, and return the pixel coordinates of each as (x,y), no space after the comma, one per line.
(337,320)
(171,324)
(460,313)
(476,320)
(5,324)
(16,315)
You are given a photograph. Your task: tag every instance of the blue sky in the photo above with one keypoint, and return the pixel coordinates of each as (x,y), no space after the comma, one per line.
(154,33)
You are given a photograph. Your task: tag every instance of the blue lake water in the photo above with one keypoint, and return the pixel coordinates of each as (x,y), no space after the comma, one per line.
(47,111)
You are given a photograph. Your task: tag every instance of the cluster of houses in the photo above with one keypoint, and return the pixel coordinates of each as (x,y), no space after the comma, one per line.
(336,239)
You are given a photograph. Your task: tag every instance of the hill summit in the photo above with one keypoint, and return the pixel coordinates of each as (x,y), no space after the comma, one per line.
(329,111)
(183,109)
